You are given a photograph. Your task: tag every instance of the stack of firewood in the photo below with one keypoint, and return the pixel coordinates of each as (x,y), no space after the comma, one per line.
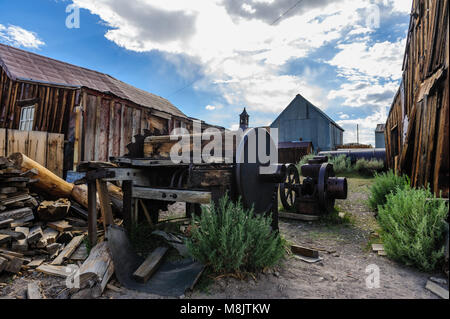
(33,231)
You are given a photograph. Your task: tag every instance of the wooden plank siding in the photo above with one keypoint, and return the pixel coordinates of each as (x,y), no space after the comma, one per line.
(110,124)
(45,148)
(417,128)
(107,122)
(52,104)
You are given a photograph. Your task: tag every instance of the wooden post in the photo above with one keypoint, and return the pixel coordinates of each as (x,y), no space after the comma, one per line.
(135,212)
(92,213)
(105,203)
(127,187)
(77,142)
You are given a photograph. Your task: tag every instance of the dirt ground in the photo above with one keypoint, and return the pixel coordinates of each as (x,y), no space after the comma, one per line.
(341,273)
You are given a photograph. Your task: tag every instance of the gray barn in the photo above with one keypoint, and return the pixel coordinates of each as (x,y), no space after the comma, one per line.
(301,120)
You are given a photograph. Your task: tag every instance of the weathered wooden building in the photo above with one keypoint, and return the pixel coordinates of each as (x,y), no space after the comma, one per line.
(417,129)
(98,114)
(302,121)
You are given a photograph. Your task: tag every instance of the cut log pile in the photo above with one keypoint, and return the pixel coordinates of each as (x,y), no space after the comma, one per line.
(34,232)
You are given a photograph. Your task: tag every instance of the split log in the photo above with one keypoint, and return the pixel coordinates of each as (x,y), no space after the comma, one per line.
(35,235)
(14,265)
(14,234)
(24,214)
(59,271)
(53,248)
(97,269)
(5,239)
(21,245)
(50,235)
(6,223)
(60,225)
(3,264)
(53,210)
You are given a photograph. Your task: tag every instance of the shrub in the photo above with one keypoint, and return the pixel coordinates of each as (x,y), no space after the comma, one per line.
(341,164)
(368,167)
(413,227)
(304,161)
(383,185)
(232,239)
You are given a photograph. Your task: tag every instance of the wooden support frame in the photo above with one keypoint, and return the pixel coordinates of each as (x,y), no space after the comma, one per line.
(92,213)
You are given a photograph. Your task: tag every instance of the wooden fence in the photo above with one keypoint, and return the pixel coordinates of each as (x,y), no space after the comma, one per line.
(45,148)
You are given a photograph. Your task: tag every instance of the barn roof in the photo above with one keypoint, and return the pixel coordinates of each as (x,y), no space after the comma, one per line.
(22,65)
(298,96)
(380,128)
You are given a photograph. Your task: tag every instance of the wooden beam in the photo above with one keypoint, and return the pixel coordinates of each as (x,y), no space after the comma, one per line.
(172,195)
(305,251)
(150,265)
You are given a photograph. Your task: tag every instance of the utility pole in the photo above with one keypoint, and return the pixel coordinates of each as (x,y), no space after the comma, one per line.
(357,133)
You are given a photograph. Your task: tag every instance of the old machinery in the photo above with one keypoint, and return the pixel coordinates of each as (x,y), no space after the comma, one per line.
(317,192)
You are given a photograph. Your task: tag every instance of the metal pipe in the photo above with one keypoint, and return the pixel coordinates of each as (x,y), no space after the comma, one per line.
(337,187)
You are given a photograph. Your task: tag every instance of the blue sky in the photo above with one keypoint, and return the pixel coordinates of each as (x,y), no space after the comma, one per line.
(211,58)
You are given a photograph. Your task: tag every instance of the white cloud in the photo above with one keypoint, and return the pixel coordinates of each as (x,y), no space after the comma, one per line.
(19,37)
(243,57)
(366,127)
(382,60)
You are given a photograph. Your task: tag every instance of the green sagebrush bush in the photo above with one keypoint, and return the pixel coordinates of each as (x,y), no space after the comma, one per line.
(232,239)
(384,184)
(413,227)
(304,161)
(368,167)
(341,164)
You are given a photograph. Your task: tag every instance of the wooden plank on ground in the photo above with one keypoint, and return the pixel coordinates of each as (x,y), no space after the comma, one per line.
(35,263)
(304,251)
(68,250)
(150,265)
(377,247)
(437,290)
(302,217)
(53,270)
